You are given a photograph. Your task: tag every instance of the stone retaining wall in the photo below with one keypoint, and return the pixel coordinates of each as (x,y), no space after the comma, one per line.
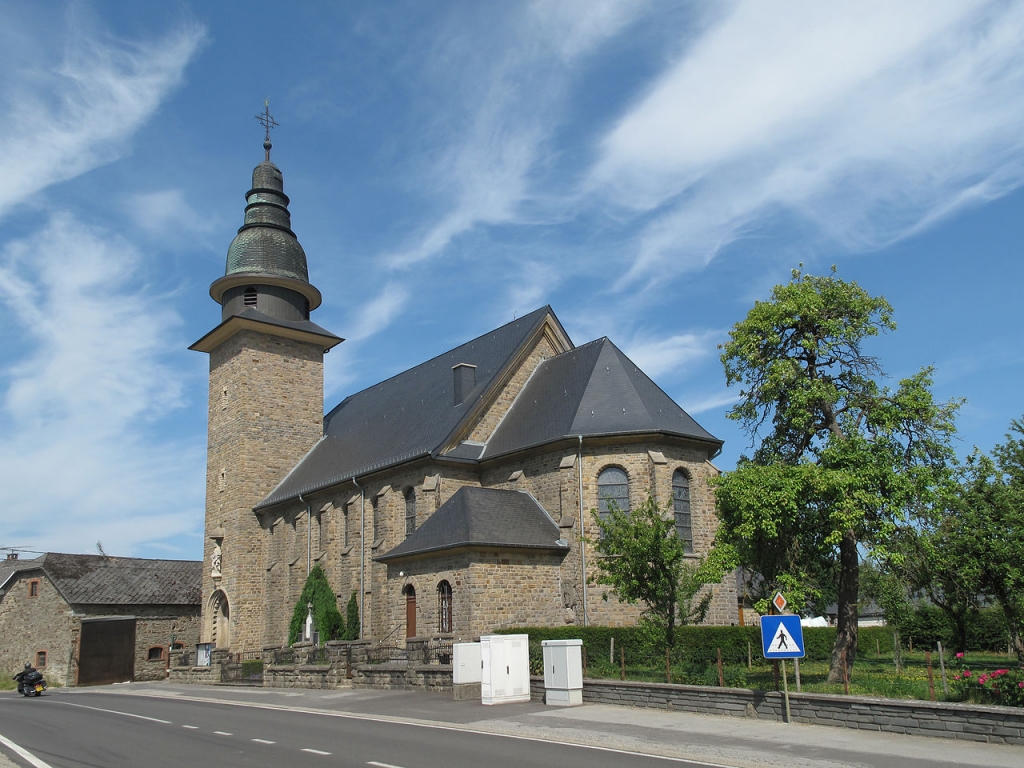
(972,722)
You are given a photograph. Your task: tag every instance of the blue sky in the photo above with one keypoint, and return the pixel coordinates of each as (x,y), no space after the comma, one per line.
(648,169)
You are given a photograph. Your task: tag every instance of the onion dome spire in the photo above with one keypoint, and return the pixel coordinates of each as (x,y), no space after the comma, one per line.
(265,257)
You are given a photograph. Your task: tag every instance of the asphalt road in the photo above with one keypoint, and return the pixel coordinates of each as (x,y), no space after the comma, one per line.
(85,728)
(162,724)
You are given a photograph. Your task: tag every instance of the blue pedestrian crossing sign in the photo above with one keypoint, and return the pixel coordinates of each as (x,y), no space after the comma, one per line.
(782,637)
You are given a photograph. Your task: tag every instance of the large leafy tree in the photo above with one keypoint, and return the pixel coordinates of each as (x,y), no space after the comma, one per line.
(841,461)
(643,560)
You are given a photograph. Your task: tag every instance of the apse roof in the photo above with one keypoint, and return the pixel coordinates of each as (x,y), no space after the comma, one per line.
(483,517)
(591,390)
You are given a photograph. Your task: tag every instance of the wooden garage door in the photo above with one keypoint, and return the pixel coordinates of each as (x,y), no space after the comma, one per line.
(106,652)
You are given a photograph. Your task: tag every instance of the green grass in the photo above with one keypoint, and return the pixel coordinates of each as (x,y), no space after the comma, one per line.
(871,676)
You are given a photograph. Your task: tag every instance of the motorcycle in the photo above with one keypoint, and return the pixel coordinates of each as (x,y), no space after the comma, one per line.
(32,684)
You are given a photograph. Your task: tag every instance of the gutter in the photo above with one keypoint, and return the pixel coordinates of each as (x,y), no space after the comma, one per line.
(362,554)
(583,538)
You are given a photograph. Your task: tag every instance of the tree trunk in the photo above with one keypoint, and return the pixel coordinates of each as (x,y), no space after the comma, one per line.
(845,649)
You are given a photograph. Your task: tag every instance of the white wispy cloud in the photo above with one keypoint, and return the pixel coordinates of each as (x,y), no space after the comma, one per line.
(869,121)
(661,356)
(710,403)
(512,84)
(81,404)
(166,213)
(65,118)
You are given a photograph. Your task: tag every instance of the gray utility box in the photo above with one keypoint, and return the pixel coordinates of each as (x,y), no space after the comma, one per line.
(563,672)
(504,668)
(466,671)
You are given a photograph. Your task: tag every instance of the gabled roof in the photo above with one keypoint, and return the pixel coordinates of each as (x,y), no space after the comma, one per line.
(409,415)
(103,580)
(253,319)
(483,517)
(591,390)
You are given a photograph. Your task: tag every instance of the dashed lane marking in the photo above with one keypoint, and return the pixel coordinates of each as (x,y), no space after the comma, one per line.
(383,765)
(191,727)
(264,741)
(223,733)
(316,752)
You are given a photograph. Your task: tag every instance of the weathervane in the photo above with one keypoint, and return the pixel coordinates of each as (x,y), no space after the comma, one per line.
(267,121)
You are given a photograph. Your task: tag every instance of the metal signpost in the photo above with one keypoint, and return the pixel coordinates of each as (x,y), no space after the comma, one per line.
(782,637)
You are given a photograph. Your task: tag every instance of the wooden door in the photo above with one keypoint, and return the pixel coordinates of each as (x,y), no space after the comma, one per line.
(410,611)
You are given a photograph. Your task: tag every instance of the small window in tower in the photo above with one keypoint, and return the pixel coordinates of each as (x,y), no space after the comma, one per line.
(249,297)
(33,588)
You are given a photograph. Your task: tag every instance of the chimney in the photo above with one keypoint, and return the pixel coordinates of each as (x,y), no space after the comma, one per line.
(12,555)
(464,379)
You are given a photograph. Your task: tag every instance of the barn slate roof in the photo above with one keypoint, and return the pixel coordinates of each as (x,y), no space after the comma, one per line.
(591,390)
(104,580)
(482,517)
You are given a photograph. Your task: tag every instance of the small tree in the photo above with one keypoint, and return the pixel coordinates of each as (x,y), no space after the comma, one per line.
(352,618)
(326,617)
(644,561)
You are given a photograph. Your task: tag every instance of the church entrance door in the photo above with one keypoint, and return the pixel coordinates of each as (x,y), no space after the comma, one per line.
(410,611)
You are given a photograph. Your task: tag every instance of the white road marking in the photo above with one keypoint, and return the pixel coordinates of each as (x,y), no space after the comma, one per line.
(383,765)
(116,712)
(316,751)
(24,754)
(223,733)
(191,727)
(429,724)
(264,741)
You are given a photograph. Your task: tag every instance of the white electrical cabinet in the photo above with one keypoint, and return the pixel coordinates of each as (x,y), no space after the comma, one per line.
(563,672)
(504,668)
(465,663)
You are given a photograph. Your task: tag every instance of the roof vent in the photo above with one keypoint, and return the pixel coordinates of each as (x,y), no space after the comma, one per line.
(464,379)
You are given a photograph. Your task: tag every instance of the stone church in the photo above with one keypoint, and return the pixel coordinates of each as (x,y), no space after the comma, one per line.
(453,499)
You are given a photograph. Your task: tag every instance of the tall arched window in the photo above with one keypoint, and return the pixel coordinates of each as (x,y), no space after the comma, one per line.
(444,607)
(410,511)
(681,507)
(612,489)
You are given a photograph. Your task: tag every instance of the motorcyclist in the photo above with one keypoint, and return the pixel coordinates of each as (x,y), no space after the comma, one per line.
(20,677)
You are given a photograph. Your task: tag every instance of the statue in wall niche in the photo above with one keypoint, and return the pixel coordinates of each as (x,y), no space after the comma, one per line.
(215,561)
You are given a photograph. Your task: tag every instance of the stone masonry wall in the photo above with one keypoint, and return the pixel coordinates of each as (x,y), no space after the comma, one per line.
(29,625)
(265,413)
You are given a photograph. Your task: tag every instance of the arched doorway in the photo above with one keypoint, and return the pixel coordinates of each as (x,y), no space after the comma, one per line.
(410,610)
(218,620)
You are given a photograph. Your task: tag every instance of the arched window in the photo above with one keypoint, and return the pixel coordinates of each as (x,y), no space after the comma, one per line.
(444,607)
(410,511)
(612,490)
(249,297)
(681,507)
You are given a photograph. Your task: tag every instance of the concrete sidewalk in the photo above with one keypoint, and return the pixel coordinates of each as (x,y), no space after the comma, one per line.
(726,741)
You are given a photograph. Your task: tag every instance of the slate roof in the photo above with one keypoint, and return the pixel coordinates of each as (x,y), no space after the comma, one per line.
(409,415)
(102,580)
(479,517)
(591,390)
(305,327)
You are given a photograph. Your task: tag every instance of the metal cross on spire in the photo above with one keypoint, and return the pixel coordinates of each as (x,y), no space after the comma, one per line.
(267,121)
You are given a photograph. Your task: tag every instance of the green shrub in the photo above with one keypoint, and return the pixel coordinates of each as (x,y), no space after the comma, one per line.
(352,619)
(328,621)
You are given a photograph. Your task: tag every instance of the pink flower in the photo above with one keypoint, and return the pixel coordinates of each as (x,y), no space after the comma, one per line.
(967,673)
(1020,684)
(959,655)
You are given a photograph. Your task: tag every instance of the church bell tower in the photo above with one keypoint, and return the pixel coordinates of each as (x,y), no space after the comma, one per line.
(266,401)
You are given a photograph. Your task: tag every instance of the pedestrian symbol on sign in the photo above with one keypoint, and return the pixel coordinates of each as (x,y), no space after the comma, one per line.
(782,637)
